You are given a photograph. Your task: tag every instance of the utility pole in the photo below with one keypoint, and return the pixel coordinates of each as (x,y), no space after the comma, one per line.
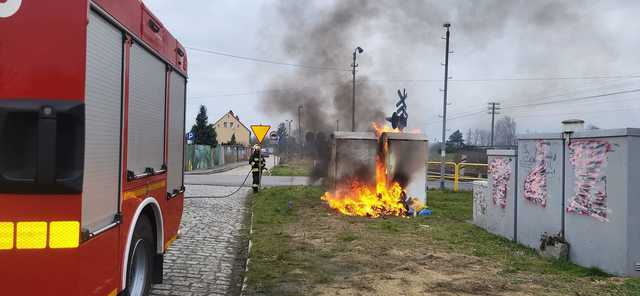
(443,146)
(300,124)
(353,96)
(288,139)
(337,125)
(493,110)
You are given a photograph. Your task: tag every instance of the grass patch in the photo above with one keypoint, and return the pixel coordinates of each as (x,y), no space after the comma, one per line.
(301,247)
(293,168)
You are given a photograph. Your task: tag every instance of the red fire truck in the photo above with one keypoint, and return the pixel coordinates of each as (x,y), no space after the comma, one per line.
(92,102)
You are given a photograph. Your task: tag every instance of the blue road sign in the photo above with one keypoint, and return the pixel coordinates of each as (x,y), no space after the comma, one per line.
(190,136)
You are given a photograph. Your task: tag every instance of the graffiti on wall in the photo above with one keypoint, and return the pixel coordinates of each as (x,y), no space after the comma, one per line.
(589,159)
(535,183)
(480,197)
(500,172)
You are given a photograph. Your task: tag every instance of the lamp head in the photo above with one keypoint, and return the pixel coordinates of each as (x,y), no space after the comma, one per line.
(359,49)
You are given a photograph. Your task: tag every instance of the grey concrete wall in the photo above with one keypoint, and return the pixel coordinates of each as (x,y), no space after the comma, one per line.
(633,207)
(539,186)
(596,240)
(501,208)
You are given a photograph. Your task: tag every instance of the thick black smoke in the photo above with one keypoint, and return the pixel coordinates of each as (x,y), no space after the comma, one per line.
(555,34)
(324,37)
(556,37)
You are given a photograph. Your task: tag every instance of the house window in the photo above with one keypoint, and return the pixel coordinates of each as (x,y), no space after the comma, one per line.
(231,124)
(225,124)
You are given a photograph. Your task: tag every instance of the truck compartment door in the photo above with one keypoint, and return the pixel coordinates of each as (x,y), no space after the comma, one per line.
(175,160)
(103,107)
(145,148)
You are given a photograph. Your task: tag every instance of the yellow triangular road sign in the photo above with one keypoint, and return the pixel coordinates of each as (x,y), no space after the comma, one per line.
(260,131)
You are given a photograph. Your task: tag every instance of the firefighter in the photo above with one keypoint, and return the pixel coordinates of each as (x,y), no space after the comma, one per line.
(257,163)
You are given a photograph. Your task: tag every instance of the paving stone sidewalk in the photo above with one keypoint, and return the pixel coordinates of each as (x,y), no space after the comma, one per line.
(206,260)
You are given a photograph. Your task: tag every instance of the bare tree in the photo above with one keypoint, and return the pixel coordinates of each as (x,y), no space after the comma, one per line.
(506,131)
(480,137)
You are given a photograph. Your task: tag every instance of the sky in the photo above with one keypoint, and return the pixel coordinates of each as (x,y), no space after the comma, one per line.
(527,55)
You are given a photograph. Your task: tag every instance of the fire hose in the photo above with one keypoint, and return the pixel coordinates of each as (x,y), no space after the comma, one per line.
(224,196)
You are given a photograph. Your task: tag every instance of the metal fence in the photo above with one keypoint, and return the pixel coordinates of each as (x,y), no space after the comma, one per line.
(457,172)
(202,157)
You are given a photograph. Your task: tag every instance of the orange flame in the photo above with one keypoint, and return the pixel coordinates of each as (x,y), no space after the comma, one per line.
(356,198)
(384,198)
(386,128)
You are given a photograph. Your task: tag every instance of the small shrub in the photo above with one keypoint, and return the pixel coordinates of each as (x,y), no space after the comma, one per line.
(551,240)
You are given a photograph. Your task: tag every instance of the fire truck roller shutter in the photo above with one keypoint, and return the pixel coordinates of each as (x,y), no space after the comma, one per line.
(146,111)
(176,132)
(103,107)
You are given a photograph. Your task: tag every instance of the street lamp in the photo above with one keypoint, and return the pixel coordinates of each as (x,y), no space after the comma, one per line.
(357,51)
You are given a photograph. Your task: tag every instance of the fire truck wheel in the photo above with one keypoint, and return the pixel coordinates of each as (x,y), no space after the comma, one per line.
(140,269)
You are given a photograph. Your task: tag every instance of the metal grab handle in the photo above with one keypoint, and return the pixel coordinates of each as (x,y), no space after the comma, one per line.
(47,138)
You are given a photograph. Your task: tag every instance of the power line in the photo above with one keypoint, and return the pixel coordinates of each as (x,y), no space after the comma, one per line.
(575,99)
(571,92)
(247,93)
(514,79)
(317,67)
(266,61)
(472,113)
(288,89)
(459,115)
(585,112)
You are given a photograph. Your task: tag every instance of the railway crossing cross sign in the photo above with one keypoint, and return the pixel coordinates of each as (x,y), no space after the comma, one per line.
(399,118)
(260,131)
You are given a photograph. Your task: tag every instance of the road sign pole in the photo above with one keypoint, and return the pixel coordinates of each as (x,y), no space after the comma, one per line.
(260,131)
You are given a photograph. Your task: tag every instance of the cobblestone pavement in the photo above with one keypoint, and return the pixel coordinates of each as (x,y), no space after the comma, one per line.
(206,259)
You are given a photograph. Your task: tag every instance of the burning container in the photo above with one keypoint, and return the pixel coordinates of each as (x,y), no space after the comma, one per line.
(540,210)
(602,208)
(500,211)
(405,157)
(353,154)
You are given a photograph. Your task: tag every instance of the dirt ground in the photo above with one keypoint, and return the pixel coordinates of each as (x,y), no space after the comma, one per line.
(375,265)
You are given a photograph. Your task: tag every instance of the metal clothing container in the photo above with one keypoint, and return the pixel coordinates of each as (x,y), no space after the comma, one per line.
(540,173)
(500,211)
(406,160)
(602,206)
(353,154)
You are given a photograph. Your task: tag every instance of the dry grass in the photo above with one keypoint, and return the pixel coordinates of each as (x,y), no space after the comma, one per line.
(300,247)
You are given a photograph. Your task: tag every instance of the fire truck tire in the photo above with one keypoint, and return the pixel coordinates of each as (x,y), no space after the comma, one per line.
(141,255)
